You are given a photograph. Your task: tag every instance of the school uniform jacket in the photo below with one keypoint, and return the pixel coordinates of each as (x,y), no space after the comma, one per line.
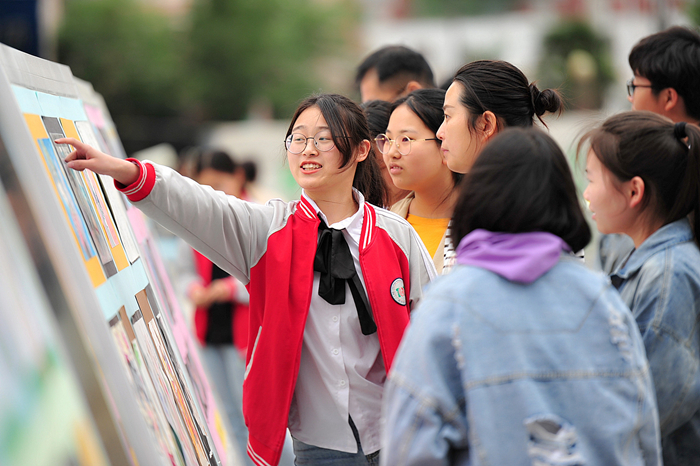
(271,248)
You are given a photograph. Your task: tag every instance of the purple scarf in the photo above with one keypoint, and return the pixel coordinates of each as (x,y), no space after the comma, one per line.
(518,257)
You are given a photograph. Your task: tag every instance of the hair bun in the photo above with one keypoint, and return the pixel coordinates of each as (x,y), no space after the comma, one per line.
(545,101)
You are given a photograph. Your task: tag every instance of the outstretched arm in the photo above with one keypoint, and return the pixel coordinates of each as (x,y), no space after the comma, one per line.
(84,156)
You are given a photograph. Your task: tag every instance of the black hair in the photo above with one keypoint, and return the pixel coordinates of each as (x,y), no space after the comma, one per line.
(250,169)
(652,147)
(396,62)
(377,113)
(521,182)
(503,89)
(349,128)
(217,160)
(427,105)
(671,58)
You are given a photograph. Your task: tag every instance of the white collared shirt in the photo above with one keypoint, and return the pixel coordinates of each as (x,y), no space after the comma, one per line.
(342,371)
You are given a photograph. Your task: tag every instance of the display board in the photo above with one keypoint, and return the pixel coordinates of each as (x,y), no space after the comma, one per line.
(119,296)
(40,397)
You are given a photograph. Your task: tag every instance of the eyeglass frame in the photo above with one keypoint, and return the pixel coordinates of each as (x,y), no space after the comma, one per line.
(631,86)
(398,146)
(288,142)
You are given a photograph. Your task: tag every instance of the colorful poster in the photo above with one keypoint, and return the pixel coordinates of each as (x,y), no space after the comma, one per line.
(167,359)
(163,387)
(40,402)
(183,337)
(70,204)
(87,207)
(148,403)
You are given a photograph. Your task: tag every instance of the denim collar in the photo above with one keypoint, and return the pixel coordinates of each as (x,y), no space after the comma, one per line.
(665,237)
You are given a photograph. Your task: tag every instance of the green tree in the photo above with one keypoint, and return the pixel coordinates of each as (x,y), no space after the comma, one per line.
(576,59)
(694,11)
(243,52)
(451,8)
(128,54)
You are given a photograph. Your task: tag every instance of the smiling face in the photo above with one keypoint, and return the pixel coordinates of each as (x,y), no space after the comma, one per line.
(460,146)
(319,172)
(424,164)
(607,203)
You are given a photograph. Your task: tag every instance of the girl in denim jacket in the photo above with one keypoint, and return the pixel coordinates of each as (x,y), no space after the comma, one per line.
(644,181)
(520,355)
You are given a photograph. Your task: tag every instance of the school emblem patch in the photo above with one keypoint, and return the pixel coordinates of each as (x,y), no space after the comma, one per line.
(398,292)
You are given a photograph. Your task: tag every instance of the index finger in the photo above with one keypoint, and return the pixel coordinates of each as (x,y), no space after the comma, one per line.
(72,141)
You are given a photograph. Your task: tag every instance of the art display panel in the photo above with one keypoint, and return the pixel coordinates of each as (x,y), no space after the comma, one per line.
(150,350)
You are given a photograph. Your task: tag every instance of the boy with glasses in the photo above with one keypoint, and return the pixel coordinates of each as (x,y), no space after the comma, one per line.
(666,68)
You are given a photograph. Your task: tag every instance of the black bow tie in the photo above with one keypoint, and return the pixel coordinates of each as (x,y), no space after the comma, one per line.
(334,261)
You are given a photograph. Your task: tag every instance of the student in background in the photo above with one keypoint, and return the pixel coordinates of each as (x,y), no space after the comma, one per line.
(392,72)
(412,153)
(644,181)
(221,304)
(484,98)
(332,281)
(666,73)
(521,355)
(377,113)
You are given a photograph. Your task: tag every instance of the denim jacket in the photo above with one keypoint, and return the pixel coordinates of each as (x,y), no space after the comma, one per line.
(660,282)
(494,372)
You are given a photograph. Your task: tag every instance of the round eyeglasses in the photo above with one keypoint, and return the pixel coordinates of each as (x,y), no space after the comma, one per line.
(403,144)
(631,86)
(296,142)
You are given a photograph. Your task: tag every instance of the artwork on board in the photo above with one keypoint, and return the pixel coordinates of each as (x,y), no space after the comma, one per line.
(182,397)
(120,328)
(186,345)
(163,387)
(86,135)
(39,393)
(70,204)
(89,135)
(79,188)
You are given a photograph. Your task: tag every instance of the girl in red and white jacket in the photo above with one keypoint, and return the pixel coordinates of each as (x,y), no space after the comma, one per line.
(332,280)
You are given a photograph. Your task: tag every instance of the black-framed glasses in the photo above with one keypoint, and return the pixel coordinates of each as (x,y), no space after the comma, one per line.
(403,144)
(631,86)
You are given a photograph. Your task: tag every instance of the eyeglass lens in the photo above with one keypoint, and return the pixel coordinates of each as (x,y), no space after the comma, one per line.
(403,144)
(297,142)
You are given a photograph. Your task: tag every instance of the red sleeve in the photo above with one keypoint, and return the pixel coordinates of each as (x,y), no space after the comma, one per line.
(142,187)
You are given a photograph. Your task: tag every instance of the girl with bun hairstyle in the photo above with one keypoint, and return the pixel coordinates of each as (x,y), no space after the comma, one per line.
(485,97)
(644,181)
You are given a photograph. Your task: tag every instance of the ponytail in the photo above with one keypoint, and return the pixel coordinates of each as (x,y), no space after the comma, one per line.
(688,200)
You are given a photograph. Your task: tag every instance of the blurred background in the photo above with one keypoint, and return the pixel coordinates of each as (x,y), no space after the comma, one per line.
(229,73)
